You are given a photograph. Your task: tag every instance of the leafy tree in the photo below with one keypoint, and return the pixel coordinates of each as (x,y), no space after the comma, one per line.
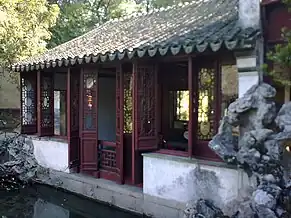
(281,57)
(23,31)
(151,4)
(24,28)
(79,16)
(72,22)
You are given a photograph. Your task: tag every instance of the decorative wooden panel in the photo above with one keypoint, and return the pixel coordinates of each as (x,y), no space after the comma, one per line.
(88,119)
(127,84)
(119,122)
(28,103)
(206,103)
(107,157)
(90,101)
(146,107)
(73,118)
(45,104)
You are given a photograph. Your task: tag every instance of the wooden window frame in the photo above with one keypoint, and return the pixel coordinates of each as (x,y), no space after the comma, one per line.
(38,110)
(199,149)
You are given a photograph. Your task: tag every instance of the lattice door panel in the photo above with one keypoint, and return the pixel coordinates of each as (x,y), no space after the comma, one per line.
(46,104)
(146,107)
(28,103)
(89,136)
(206,103)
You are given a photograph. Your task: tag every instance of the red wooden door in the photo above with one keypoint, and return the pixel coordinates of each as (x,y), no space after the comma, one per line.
(146,107)
(120,123)
(88,121)
(28,110)
(45,109)
(73,102)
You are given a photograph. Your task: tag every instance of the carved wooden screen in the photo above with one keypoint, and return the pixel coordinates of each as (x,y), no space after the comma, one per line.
(89,121)
(28,103)
(207,104)
(145,102)
(45,104)
(73,118)
(119,122)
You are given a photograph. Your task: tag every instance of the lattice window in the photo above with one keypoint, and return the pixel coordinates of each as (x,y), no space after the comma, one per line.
(146,101)
(47,102)
(206,103)
(28,103)
(89,84)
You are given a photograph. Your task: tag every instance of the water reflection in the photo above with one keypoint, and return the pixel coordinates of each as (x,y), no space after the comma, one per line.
(45,202)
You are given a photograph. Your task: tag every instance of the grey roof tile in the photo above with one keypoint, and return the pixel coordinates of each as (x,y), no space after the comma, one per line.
(195,26)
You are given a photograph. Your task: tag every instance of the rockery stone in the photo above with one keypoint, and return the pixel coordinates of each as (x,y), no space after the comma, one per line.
(18,165)
(258,150)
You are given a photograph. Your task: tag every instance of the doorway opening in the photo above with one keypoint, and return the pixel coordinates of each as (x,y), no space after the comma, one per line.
(107,124)
(173,80)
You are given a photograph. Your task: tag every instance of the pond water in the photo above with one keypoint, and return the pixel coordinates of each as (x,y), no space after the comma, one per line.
(45,202)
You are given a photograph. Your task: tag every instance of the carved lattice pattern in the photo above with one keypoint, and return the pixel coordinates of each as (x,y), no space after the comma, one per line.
(75,83)
(146,101)
(28,102)
(127,103)
(89,85)
(107,158)
(47,102)
(118,106)
(206,103)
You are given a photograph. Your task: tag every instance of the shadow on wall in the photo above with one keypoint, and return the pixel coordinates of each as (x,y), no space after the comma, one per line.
(200,183)
(205,185)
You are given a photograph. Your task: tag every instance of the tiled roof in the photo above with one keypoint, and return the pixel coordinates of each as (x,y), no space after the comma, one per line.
(193,27)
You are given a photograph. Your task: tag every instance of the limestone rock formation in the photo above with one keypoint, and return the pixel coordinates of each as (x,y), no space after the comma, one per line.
(18,165)
(259,151)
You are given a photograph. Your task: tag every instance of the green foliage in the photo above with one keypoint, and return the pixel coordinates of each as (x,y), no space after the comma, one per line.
(79,16)
(165,3)
(281,57)
(72,22)
(24,28)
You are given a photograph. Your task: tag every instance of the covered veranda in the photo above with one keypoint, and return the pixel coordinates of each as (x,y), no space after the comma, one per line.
(158,82)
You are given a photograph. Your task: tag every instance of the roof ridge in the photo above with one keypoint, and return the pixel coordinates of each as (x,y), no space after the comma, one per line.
(155,10)
(133,15)
(204,21)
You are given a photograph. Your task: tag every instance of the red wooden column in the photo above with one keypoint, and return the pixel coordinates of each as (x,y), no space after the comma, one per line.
(134,122)
(68,108)
(28,99)
(191,106)
(120,123)
(73,86)
(88,121)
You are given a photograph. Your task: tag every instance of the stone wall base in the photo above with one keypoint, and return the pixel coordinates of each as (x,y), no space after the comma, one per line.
(122,196)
